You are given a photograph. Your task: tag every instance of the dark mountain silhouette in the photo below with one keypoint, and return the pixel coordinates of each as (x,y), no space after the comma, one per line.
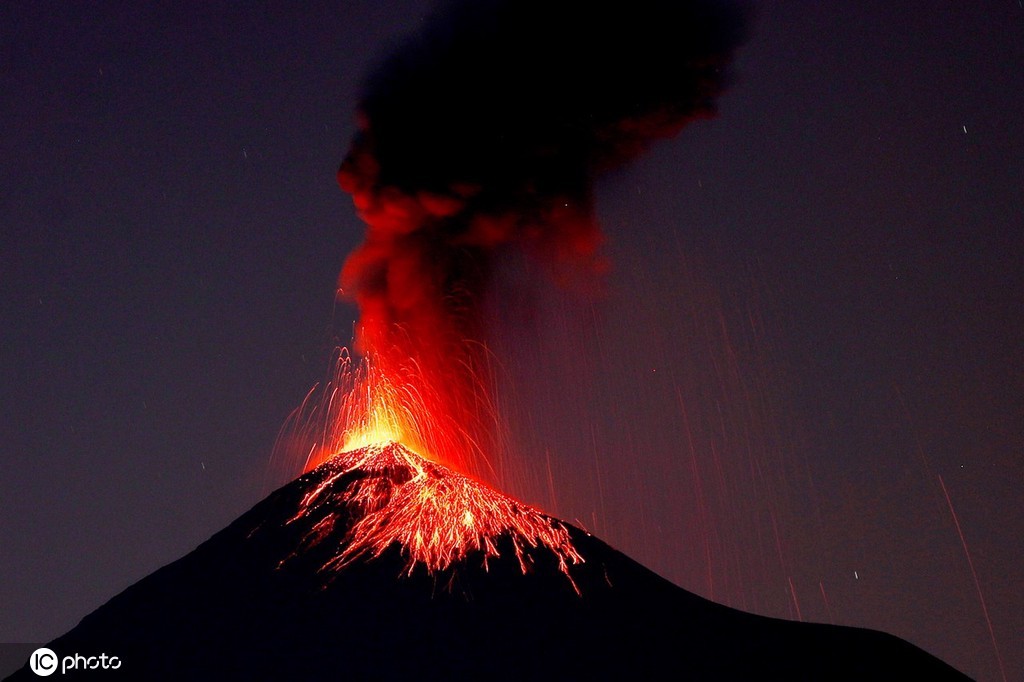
(327,579)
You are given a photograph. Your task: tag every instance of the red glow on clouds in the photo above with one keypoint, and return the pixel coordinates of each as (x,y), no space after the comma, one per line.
(418,278)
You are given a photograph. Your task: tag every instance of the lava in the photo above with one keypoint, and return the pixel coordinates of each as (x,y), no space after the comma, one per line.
(384,495)
(361,404)
(389,445)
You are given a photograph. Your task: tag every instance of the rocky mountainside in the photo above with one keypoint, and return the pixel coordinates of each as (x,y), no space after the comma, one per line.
(381,565)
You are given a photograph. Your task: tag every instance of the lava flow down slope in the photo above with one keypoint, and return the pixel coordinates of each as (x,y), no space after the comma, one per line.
(380,564)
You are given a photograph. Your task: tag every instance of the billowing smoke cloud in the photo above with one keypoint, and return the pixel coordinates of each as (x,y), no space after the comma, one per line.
(487,129)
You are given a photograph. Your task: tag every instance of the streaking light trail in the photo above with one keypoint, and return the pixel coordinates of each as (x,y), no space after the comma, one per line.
(436,516)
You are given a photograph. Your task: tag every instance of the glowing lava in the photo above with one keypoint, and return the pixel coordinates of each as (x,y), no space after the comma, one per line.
(385,495)
(368,400)
(402,477)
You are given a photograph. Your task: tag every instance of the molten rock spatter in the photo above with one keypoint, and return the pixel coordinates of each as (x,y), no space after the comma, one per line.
(437,517)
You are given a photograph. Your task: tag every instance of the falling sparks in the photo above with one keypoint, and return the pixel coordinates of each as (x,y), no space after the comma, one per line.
(384,495)
(974,575)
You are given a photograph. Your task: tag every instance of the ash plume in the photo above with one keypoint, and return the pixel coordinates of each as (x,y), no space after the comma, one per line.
(486,130)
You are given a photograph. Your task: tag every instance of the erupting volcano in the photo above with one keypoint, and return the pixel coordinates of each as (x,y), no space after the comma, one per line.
(391,557)
(481,134)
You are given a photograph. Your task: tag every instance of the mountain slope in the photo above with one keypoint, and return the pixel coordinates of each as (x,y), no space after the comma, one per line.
(382,565)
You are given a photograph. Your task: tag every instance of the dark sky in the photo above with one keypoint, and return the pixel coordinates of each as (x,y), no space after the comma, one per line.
(813,322)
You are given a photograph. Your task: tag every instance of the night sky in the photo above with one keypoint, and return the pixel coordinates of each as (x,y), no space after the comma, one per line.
(812,332)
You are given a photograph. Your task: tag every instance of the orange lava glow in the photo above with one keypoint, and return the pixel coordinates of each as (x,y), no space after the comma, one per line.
(361,404)
(398,466)
(386,495)
(380,410)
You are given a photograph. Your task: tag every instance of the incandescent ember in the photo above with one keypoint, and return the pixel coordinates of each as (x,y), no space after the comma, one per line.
(385,495)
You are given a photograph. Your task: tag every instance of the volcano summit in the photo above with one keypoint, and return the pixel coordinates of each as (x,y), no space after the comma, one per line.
(380,564)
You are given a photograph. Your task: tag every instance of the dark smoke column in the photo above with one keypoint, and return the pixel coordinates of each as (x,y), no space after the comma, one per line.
(485,130)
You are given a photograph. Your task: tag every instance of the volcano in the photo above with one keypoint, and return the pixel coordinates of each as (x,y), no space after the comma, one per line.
(380,564)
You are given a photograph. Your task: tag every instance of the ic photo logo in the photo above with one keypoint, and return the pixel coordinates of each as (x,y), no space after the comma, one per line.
(44,662)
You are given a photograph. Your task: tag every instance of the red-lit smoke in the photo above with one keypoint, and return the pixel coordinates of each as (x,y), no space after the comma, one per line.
(483,132)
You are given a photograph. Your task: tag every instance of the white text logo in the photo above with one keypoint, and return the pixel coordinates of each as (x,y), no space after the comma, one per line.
(43,662)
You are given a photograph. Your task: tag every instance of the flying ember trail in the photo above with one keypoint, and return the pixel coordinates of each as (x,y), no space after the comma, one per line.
(385,495)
